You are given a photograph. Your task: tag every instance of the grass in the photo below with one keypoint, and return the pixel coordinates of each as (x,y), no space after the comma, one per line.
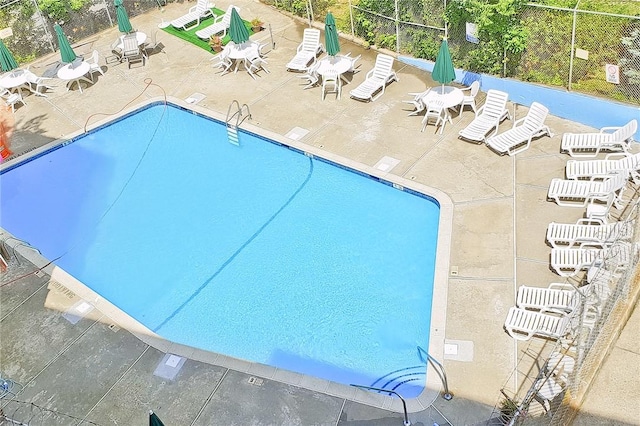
(191,37)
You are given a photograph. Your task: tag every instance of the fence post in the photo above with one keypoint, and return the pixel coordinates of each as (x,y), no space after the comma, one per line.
(353,28)
(573,43)
(44,26)
(397,28)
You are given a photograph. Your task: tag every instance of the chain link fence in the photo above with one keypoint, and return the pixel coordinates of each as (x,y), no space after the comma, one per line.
(553,377)
(31,22)
(589,51)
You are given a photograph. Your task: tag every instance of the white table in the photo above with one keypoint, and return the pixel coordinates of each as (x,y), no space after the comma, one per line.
(337,64)
(141,38)
(449,96)
(238,52)
(15,79)
(74,73)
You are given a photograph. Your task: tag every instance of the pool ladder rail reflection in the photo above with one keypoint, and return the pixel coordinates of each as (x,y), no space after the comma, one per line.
(232,127)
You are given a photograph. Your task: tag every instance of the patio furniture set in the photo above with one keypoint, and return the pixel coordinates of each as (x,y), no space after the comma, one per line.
(597,243)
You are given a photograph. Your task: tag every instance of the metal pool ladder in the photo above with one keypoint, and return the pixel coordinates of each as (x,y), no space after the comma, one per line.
(232,127)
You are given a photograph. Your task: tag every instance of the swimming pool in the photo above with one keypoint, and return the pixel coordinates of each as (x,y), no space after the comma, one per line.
(164,220)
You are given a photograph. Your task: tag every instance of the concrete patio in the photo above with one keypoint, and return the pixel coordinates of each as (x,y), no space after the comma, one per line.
(95,371)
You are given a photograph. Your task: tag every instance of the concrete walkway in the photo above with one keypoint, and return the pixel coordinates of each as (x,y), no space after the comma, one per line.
(97,372)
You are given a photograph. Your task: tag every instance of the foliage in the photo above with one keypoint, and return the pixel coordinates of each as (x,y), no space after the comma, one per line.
(630,61)
(424,44)
(58,10)
(502,36)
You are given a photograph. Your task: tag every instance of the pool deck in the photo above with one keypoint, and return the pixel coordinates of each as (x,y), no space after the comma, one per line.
(96,369)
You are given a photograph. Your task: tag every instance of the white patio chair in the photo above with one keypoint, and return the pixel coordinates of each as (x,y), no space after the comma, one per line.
(578,193)
(435,111)
(222,61)
(253,63)
(11,99)
(307,51)
(116,52)
(94,65)
(488,117)
(152,45)
(376,80)
(594,169)
(590,144)
(417,101)
(311,76)
(558,297)
(131,50)
(470,98)
(585,232)
(37,85)
(523,324)
(201,10)
(331,81)
(518,138)
(220,24)
(353,69)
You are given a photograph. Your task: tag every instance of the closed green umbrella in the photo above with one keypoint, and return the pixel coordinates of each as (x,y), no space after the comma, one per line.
(237,30)
(154,420)
(7,61)
(66,52)
(331,35)
(123,19)
(443,71)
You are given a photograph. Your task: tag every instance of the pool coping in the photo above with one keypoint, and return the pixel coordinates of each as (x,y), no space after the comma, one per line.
(433,387)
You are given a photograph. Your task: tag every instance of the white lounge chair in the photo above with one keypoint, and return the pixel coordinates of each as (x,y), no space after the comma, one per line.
(307,51)
(578,193)
(630,163)
(584,232)
(518,138)
(590,144)
(376,79)
(522,324)
(488,117)
(558,297)
(220,25)
(200,11)
(470,97)
(567,262)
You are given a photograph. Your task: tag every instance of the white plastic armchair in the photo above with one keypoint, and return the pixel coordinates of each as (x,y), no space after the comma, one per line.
(470,96)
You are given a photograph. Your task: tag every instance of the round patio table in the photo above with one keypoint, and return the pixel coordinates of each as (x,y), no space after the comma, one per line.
(15,79)
(74,73)
(338,64)
(449,95)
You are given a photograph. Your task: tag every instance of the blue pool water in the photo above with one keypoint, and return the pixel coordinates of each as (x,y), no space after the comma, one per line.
(255,251)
